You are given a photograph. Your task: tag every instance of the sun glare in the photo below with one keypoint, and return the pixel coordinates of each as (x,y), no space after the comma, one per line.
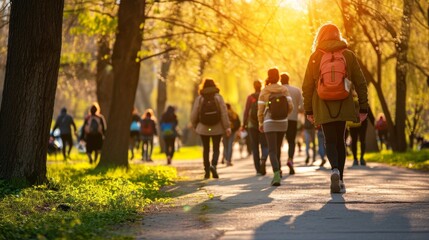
(298,5)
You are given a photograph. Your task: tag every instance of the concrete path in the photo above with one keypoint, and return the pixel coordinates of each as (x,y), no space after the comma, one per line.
(381,203)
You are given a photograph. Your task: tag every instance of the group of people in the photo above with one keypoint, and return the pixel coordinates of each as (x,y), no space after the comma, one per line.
(334,92)
(333,98)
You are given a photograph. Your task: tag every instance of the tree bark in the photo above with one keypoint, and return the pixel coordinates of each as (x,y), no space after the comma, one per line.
(104,76)
(33,60)
(126,66)
(400,144)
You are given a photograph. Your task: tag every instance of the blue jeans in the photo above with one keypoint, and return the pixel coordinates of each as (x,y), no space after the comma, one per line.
(308,138)
(257,138)
(321,142)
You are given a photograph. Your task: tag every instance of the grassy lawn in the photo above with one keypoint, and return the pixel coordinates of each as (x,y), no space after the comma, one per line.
(412,159)
(81,203)
(184,153)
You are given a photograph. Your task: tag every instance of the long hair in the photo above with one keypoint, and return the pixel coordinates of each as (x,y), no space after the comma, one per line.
(208,82)
(325,32)
(273,76)
(149,113)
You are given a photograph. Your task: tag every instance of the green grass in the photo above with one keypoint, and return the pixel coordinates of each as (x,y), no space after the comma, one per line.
(414,159)
(79,202)
(184,153)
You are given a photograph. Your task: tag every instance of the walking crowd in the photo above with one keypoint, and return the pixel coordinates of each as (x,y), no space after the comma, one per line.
(333,103)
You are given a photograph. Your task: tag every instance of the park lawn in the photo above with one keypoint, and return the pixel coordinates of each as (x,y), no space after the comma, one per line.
(413,159)
(80,202)
(183,153)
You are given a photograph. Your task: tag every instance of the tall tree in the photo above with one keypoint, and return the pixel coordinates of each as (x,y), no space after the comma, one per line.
(126,66)
(32,66)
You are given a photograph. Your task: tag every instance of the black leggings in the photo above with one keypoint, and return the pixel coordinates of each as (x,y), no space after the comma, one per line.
(67,141)
(335,144)
(169,146)
(206,150)
(290,137)
(355,133)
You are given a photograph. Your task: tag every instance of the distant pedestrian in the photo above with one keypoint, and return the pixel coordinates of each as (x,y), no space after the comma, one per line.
(381,128)
(148,131)
(309,136)
(327,95)
(64,123)
(168,125)
(228,141)
(321,145)
(251,124)
(94,128)
(209,118)
(134,132)
(298,107)
(274,106)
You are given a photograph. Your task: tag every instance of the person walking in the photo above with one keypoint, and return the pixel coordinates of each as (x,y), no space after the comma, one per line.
(309,136)
(64,123)
(209,118)
(274,106)
(168,125)
(94,128)
(331,71)
(381,128)
(228,141)
(134,132)
(251,125)
(292,127)
(321,145)
(148,131)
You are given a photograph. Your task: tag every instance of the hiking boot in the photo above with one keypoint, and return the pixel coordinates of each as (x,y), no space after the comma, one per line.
(214,172)
(355,162)
(291,169)
(342,187)
(335,181)
(276,179)
(323,162)
(263,168)
(362,162)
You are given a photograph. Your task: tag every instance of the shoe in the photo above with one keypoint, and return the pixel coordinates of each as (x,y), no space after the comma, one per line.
(169,160)
(229,164)
(149,160)
(214,172)
(276,179)
(291,169)
(355,162)
(335,181)
(307,160)
(207,175)
(323,162)
(281,174)
(342,187)
(263,168)
(362,162)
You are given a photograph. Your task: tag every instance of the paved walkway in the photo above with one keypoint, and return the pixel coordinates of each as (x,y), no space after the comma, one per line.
(381,203)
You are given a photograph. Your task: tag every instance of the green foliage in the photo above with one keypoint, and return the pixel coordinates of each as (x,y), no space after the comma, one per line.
(80,202)
(413,159)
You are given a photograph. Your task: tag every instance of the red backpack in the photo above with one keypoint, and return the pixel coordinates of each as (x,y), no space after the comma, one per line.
(333,83)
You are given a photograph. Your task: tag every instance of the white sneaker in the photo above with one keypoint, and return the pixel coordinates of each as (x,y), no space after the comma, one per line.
(342,187)
(335,181)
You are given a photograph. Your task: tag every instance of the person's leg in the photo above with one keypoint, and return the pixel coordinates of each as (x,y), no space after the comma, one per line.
(254,139)
(216,144)
(362,139)
(225,148)
(341,147)
(321,148)
(272,149)
(307,140)
(290,137)
(280,137)
(230,147)
(70,143)
(206,150)
(150,148)
(64,141)
(173,146)
(354,132)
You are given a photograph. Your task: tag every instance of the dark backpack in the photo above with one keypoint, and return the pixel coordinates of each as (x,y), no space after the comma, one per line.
(253,113)
(209,111)
(278,106)
(93,126)
(146,127)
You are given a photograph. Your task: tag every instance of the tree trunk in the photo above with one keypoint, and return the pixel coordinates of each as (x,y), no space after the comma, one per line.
(161,101)
(32,66)
(398,132)
(104,77)
(126,66)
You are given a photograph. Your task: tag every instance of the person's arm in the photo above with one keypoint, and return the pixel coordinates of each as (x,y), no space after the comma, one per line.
(194,112)
(308,86)
(224,115)
(261,107)
(56,125)
(73,124)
